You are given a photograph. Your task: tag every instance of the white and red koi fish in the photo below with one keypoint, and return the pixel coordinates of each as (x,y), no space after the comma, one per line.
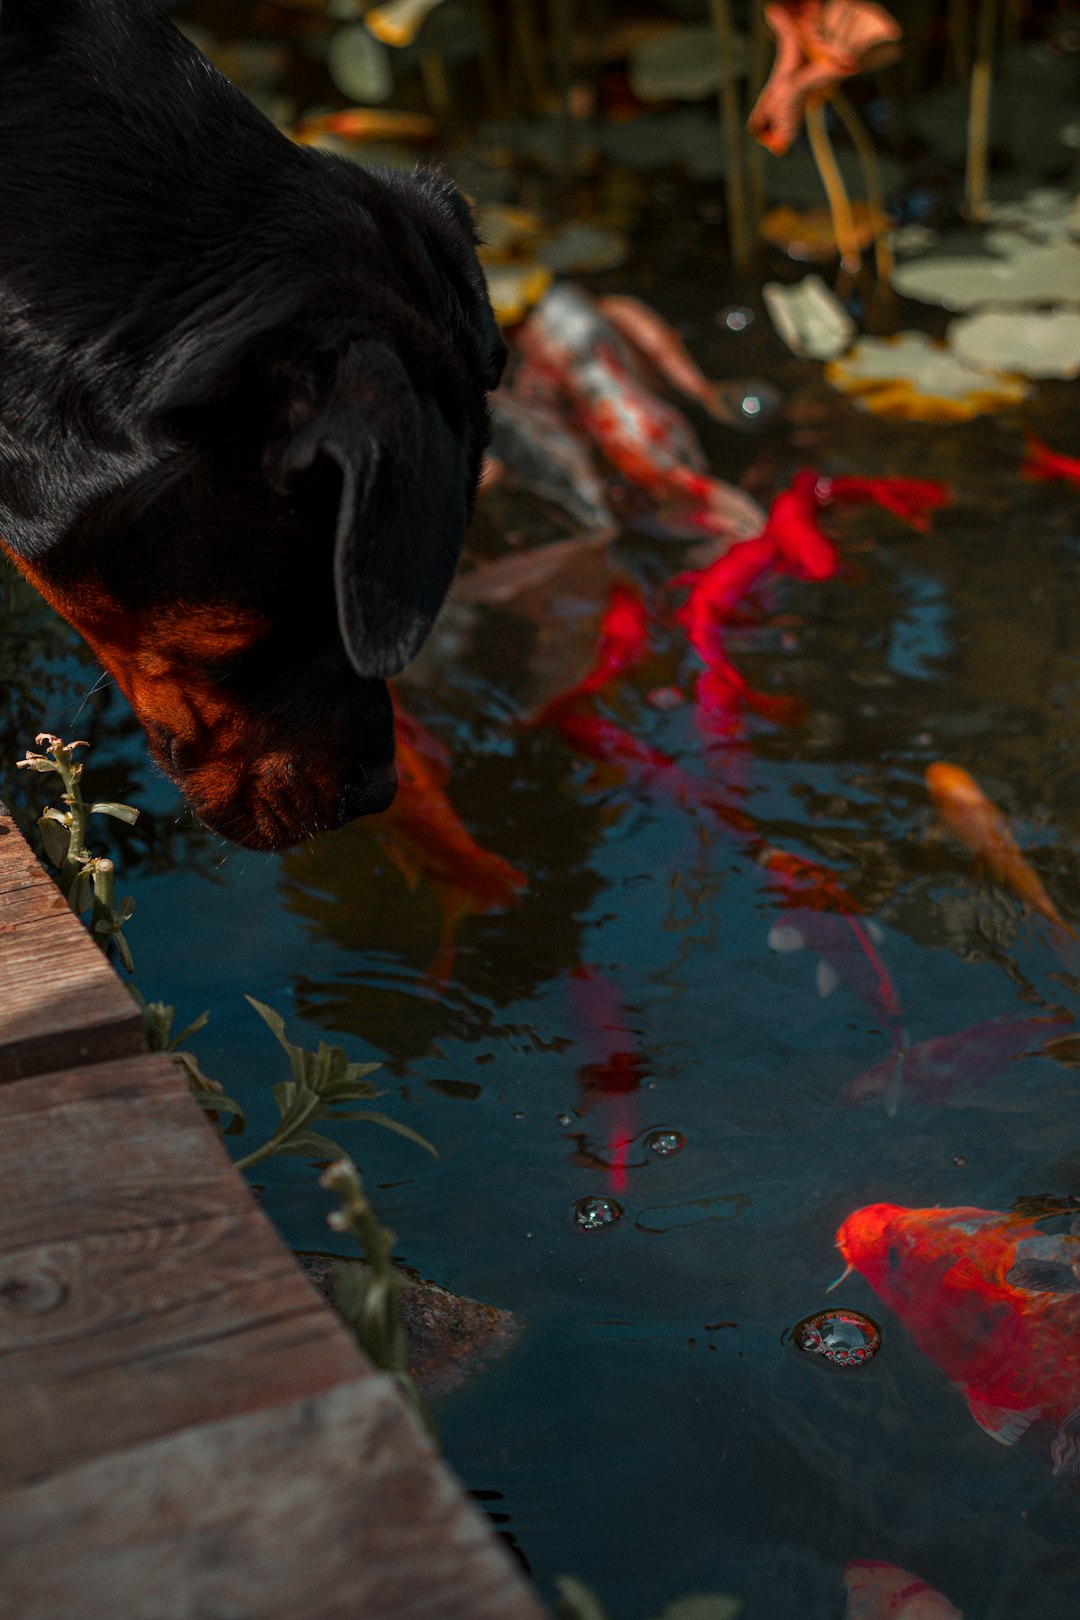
(874,1590)
(819,914)
(568,342)
(994,1302)
(537,449)
(934,1070)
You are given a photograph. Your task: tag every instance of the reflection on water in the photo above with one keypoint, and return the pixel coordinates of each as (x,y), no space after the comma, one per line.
(653,1357)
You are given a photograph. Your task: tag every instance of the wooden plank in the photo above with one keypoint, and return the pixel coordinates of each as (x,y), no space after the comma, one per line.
(329,1508)
(60,1001)
(141,1288)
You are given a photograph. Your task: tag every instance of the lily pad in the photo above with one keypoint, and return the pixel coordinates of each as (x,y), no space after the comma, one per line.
(1018,271)
(682,64)
(515,288)
(359,64)
(580,246)
(1035,343)
(914,379)
(399,22)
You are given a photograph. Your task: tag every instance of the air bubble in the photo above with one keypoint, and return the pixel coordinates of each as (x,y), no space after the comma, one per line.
(593,1213)
(664,1142)
(846,1338)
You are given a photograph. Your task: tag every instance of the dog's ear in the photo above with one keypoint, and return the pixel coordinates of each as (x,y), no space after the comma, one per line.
(402,509)
(443,215)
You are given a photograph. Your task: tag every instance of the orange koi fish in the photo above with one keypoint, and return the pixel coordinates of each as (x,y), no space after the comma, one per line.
(877,1591)
(623,642)
(820,915)
(367,124)
(425,837)
(994,1302)
(1042,463)
(615,1069)
(933,1070)
(978,823)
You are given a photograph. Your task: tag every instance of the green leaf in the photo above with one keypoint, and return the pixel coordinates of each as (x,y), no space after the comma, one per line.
(310,1145)
(577,1601)
(123,951)
(703,1606)
(193,1029)
(216,1102)
(119,812)
(81,892)
(56,838)
(395,1125)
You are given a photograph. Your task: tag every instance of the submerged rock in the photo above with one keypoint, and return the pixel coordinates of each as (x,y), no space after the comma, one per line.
(448,1336)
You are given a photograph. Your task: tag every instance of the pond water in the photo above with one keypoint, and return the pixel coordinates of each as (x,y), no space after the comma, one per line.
(654,1430)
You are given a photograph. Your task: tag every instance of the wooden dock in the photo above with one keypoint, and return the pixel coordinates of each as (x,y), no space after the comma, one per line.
(186,1431)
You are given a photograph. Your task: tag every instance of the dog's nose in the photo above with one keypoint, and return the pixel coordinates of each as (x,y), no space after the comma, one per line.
(372,791)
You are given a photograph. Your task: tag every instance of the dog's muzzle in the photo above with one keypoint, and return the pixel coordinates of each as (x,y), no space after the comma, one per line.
(373,791)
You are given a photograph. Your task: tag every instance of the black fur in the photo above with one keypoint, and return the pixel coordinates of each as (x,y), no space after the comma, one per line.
(236,375)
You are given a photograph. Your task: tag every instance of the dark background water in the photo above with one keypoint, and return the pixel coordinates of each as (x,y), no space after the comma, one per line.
(652,1431)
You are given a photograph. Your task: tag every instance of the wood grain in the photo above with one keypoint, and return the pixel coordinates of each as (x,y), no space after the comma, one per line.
(60,1001)
(323,1508)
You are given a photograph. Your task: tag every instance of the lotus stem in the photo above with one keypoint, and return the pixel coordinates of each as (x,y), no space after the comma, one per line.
(529,53)
(731,114)
(835,190)
(562,36)
(978,141)
(759,71)
(871,173)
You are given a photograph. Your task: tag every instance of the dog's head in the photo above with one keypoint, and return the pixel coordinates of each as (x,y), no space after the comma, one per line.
(305,423)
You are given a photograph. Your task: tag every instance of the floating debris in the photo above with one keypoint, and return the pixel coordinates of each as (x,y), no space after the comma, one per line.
(916,380)
(593,1213)
(846,1338)
(809,318)
(515,288)
(736,317)
(664,1142)
(399,22)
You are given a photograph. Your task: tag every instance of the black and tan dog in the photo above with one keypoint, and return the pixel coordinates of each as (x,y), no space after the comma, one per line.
(242,410)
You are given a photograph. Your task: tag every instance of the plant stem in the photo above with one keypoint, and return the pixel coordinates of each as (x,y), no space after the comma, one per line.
(731,115)
(835,190)
(978,132)
(871,173)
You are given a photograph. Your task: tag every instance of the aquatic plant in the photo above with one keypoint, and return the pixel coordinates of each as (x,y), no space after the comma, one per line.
(322,1082)
(369,1296)
(87,881)
(209,1094)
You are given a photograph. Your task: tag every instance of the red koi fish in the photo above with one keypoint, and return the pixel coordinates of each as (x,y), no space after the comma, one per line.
(615,1068)
(820,915)
(653,772)
(877,1591)
(913,500)
(649,442)
(722,695)
(802,547)
(1040,462)
(933,1070)
(995,1304)
(623,642)
(977,822)
(425,837)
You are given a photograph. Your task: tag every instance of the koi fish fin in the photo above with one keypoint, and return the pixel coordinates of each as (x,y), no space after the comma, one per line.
(826,978)
(784,936)
(409,869)
(1065,1451)
(1001,1423)
(1043,1277)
